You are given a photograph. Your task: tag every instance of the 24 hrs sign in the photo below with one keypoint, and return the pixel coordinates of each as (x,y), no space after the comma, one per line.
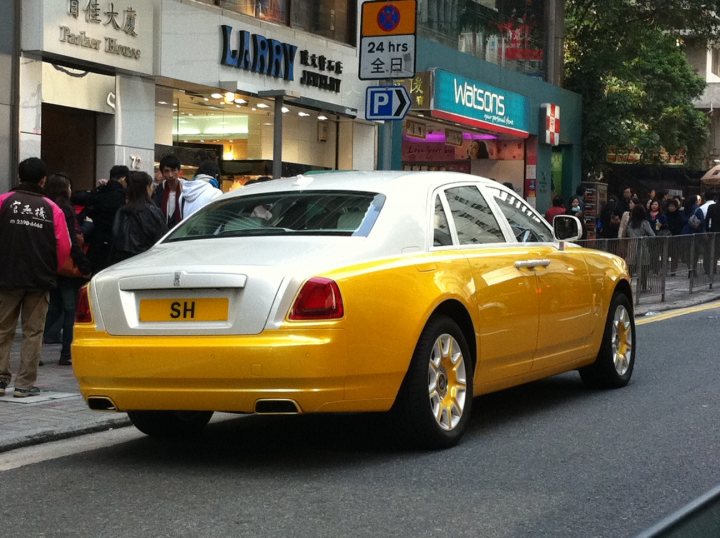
(387,39)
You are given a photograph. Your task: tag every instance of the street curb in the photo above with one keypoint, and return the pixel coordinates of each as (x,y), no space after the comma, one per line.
(50,436)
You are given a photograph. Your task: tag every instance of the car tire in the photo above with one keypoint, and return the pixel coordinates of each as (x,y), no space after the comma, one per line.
(170,423)
(616,359)
(435,400)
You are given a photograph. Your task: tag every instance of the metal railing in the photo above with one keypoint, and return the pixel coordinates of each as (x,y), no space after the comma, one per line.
(657,264)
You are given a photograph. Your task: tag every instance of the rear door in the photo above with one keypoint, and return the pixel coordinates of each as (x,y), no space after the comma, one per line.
(505,297)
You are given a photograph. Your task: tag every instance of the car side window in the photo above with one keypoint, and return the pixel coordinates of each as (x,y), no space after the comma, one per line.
(474,220)
(527,226)
(441,228)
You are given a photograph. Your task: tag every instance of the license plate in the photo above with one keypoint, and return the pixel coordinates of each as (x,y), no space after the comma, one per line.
(201,309)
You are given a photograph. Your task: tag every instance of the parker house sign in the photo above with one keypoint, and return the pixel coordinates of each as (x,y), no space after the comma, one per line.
(112,33)
(107,18)
(258,54)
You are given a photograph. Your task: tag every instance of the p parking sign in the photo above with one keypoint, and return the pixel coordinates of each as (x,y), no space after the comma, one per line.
(386,102)
(387,39)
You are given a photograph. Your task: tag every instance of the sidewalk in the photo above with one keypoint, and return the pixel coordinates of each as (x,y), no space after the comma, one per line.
(60,412)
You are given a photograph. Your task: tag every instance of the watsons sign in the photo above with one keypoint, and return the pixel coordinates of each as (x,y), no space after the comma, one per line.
(473,103)
(259,54)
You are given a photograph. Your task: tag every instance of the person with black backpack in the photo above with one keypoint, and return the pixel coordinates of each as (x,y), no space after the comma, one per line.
(139,224)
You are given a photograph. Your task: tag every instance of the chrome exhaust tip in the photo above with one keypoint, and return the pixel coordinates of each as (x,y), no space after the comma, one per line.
(101,403)
(277,407)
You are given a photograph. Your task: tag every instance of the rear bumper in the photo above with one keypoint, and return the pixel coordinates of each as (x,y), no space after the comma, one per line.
(217,373)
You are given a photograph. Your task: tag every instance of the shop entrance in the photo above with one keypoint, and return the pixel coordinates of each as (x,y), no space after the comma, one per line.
(68,143)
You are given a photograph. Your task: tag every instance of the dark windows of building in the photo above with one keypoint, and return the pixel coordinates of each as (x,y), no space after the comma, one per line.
(332,19)
(510,33)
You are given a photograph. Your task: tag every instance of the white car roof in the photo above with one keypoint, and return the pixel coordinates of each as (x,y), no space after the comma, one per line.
(384,182)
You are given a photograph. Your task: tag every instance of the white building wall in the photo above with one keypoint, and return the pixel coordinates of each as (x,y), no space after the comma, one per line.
(128,136)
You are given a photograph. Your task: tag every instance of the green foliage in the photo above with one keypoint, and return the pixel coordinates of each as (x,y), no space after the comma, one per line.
(625,57)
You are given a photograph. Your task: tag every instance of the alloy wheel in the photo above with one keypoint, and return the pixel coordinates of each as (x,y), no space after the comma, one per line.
(447,382)
(622,340)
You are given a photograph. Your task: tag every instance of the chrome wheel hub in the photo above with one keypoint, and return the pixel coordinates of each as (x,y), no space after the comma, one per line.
(622,340)
(447,382)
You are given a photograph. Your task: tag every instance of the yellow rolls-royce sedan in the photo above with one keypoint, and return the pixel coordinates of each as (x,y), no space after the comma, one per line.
(407,292)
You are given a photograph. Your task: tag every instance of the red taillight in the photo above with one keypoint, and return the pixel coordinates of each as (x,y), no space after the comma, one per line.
(319,298)
(82,310)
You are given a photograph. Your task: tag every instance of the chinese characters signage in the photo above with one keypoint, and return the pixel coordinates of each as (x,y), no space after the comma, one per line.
(93,13)
(113,33)
(387,40)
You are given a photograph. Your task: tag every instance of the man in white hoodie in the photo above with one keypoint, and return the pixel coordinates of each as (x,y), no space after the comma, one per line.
(199,191)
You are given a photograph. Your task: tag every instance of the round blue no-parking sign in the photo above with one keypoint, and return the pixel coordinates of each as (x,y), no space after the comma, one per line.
(388,18)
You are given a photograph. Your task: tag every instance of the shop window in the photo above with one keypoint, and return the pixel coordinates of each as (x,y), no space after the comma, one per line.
(715,66)
(267,10)
(506,32)
(334,19)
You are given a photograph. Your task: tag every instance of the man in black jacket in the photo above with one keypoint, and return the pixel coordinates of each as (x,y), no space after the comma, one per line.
(101,208)
(35,243)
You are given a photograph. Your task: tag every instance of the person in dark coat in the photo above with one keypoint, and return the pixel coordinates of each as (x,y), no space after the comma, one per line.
(101,208)
(139,223)
(35,243)
(63,299)
(609,220)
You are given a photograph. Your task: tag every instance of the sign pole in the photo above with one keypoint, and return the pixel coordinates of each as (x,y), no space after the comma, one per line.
(387,140)
(387,52)
(387,144)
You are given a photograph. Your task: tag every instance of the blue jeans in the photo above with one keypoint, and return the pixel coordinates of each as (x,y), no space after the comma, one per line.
(61,315)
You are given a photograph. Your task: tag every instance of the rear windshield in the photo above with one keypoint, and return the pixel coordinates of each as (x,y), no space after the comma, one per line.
(280,213)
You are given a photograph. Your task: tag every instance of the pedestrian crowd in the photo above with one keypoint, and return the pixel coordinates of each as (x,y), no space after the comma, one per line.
(665,215)
(630,217)
(54,240)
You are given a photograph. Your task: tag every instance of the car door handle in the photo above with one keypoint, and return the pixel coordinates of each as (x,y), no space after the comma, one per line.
(531,264)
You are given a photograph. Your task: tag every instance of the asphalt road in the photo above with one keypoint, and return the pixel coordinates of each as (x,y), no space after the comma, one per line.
(547,459)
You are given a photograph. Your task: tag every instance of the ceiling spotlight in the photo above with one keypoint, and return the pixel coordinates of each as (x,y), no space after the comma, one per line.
(229,97)
(285,110)
(240,101)
(205,99)
(263,105)
(162,102)
(303,114)
(216,95)
(322,117)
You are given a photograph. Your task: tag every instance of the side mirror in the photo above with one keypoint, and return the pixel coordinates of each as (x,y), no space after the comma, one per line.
(567,228)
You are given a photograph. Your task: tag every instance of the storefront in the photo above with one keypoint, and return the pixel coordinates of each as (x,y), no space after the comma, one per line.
(257,94)
(85,91)
(106,82)
(475,117)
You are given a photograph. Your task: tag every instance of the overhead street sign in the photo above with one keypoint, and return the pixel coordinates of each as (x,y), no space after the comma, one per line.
(387,39)
(386,103)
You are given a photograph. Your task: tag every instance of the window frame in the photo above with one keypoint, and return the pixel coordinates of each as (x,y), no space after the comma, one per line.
(441,192)
(507,227)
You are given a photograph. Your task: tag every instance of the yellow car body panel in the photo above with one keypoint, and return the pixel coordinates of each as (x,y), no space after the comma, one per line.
(358,362)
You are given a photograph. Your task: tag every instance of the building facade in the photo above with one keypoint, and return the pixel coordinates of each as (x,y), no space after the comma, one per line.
(98,83)
(480,101)
(272,87)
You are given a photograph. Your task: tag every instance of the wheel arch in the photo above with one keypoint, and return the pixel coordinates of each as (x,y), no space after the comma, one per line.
(623,286)
(456,311)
